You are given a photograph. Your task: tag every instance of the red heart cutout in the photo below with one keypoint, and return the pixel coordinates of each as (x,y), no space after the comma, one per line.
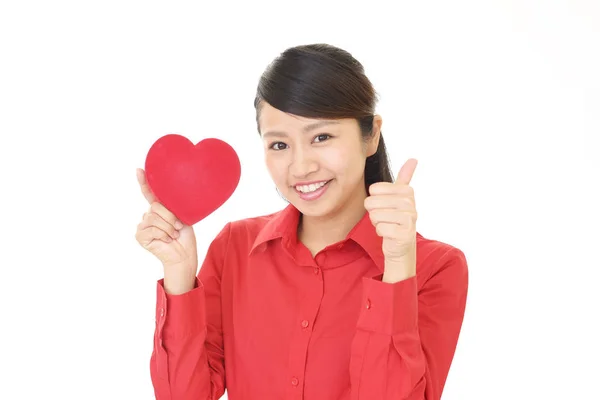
(192,181)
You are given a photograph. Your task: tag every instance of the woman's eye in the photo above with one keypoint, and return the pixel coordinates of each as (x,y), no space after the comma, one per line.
(277,146)
(322,137)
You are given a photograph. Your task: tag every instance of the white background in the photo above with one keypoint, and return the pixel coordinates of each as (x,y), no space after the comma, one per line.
(498,100)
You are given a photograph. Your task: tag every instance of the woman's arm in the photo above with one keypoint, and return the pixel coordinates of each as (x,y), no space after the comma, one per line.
(187,361)
(406,338)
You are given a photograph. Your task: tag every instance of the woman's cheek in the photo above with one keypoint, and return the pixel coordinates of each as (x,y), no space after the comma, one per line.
(277,169)
(335,160)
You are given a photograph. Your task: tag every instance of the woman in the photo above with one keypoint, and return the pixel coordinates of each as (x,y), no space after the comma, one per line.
(334,297)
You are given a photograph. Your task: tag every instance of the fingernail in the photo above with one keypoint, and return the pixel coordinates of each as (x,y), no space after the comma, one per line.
(176,234)
(178,225)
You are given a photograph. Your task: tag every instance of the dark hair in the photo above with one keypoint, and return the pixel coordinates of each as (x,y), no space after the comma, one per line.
(324,81)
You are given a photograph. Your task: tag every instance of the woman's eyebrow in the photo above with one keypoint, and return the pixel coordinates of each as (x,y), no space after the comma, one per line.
(316,125)
(306,129)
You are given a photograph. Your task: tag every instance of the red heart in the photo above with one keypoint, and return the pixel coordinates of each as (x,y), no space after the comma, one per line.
(192,181)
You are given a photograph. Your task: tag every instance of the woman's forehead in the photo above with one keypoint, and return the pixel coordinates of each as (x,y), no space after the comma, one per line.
(274,122)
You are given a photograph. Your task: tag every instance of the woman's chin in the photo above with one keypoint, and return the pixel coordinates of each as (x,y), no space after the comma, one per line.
(313,208)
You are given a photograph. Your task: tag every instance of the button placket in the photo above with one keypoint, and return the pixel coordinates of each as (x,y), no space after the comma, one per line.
(307,313)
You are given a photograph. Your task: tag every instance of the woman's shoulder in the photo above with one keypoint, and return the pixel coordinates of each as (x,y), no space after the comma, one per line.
(435,255)
(434,247)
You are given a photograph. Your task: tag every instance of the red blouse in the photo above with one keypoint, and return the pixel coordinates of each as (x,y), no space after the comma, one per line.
(267,321)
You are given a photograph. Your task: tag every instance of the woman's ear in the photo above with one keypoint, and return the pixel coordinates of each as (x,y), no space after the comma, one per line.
(374,140)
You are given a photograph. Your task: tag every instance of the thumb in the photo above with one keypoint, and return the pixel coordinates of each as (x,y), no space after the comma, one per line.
(406,172)
(141,177)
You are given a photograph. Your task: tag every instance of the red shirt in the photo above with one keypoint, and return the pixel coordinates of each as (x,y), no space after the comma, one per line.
(267,321)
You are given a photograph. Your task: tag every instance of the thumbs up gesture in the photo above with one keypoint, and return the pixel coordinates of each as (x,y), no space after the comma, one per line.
(392,210)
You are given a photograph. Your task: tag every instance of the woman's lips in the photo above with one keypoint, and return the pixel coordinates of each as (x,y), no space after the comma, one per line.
(314,191)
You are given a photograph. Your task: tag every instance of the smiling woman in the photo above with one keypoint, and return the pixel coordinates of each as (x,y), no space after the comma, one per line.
(327,298)
(327,83)
(321,160)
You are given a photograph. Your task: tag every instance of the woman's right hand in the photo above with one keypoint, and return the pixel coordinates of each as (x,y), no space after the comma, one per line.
(171,241)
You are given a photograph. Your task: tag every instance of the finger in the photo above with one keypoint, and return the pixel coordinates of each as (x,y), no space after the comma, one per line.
(148,235)
(402,203)
(388,215)
(146,191)
(390,188)
(406,172)
(393,231)
(153,219)
(167,215)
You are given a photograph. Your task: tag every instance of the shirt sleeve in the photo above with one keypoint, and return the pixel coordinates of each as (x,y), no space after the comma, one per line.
(406,338)
(187,361)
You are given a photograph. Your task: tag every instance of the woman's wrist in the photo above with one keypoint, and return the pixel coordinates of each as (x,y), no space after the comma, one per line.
(179,279)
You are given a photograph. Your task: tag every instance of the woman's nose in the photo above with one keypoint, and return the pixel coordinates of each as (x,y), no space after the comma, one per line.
(303,164)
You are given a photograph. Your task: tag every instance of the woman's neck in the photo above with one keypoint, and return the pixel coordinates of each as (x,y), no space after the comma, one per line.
(317,233)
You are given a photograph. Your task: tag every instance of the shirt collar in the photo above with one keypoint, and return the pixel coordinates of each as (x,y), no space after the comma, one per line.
(284,224)
(365,234)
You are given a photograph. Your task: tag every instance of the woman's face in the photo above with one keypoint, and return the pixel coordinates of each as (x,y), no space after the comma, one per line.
(317,164)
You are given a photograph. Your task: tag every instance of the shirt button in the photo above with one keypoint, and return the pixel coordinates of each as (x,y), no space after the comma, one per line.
(305,324)
(162,312)
(316,271)
(295,381)
(368,304)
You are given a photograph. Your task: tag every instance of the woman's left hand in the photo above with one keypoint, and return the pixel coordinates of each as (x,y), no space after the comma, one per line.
(391,207)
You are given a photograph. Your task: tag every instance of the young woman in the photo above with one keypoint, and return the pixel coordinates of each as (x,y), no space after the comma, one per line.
(334,297)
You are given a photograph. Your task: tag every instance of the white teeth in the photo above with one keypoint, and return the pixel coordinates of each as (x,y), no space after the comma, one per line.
(310,188)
